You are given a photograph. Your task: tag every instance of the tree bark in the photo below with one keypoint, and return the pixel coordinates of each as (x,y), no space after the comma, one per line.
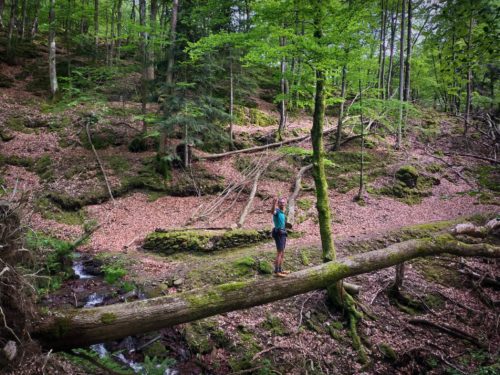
(394,16)
(52,51)
(231,99)
(119,16)
(2,5)
(362,162)
(248,206)
(293,198)
(171,48)
(283,85)
(408,55)
(322,200)
(381,58)
(12,23)
(342,104)
(64,329)
(96,28)
(469,79)
(261,148)
(401,74)
(23,20)
(144,56)
(150,55)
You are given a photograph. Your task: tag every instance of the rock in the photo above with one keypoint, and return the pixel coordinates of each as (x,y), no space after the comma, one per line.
(10,350)
(178,282)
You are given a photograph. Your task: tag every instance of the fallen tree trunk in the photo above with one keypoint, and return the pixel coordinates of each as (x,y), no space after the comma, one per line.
(80,327)
(261,148)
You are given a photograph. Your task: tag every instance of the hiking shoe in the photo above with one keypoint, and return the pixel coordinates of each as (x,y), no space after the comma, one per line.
(286,272)
(281,274)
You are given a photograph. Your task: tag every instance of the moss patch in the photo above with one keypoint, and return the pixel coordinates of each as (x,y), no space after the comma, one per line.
(190,240)
(410,186)
(50,211)
(274,325)
(108,318)
(205,335)
(489,177)
(44,169)
(433,271)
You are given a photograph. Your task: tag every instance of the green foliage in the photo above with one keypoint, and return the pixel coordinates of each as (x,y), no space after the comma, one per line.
(113,273)
(57,258)
(156,366)
(79,357)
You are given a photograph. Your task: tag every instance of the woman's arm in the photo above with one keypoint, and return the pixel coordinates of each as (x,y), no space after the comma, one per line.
(275,204)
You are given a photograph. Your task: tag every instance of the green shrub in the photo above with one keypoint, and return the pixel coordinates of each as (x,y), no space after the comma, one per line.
(113,273)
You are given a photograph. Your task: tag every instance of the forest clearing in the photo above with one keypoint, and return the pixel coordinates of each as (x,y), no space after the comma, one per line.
(158,158)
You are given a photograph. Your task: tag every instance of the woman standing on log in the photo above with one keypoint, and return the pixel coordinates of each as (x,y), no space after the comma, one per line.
(279,234)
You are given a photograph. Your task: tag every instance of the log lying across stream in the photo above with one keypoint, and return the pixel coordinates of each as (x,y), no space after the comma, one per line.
(71,328)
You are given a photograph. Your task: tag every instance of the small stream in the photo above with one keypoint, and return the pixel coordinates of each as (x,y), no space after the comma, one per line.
(95,299)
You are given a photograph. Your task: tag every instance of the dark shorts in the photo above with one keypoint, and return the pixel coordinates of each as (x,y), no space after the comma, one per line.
(279,236)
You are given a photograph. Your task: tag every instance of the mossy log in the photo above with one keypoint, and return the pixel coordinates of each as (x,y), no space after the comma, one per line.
(71,328)
(203,240)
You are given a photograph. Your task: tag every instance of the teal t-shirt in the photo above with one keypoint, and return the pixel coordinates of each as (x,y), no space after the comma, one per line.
(279,219)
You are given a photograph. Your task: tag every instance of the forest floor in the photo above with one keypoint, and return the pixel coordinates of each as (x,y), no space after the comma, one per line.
(45,155)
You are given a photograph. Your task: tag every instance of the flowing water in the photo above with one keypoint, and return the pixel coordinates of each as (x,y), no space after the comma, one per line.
(79,270)
(95,299)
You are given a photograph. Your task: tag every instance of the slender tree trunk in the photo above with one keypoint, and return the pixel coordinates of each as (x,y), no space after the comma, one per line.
(71,328)
(23,20)
(2,5)
(119,16)
(144,80)
(52,51)
(469,78)
(282,124)
(394,16)
(150,48)
(113,35)
(383,23)
(12,24)
(231,99)
(408,55)
(171,49)
(322,199)
(96,29)
(342,105)
(362,163)
(106,38)
(34,25)
(401,74)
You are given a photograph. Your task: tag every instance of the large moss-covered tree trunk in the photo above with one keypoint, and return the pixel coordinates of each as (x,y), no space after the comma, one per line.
(322,201)
(79,327)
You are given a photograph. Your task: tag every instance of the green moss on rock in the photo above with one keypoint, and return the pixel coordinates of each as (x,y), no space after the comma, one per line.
(408,174)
